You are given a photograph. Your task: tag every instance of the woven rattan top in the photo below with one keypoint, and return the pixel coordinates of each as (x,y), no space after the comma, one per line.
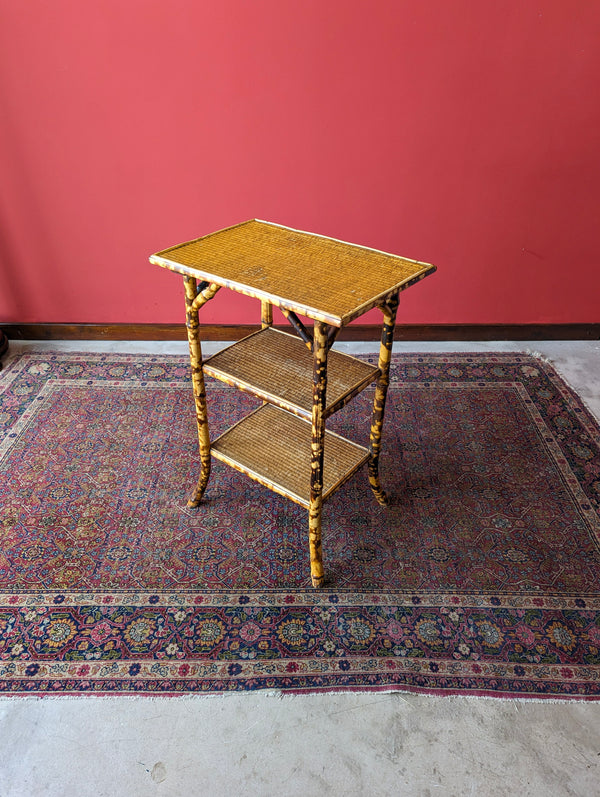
(318,277)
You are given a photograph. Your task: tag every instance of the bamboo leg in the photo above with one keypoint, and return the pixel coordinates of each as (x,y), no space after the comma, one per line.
(199,390)
(317,448)
(266,314)
(266,320)
(385,355)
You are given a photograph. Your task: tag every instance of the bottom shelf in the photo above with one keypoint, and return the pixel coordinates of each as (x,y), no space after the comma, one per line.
(273,447)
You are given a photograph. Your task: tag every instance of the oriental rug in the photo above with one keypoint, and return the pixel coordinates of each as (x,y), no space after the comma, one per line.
(481,578)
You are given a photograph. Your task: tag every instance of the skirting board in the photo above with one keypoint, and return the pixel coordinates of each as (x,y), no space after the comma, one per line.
(3,346)
(366,332)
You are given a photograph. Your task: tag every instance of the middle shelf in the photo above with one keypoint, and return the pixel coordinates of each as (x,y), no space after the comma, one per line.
(277,367)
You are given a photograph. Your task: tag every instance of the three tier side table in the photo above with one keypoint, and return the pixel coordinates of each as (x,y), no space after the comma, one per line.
(284,444)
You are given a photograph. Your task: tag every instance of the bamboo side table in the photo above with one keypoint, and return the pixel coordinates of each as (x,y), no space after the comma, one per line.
(300,380)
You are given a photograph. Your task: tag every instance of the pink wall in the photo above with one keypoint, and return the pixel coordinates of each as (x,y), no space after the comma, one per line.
(463,133)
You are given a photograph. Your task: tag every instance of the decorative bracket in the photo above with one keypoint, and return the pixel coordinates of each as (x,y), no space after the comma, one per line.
(386,303)
(299,327)
(205,292)
(332,334)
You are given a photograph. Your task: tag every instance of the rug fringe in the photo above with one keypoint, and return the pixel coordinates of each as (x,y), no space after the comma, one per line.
(553,364)
(537,355)
(405,695)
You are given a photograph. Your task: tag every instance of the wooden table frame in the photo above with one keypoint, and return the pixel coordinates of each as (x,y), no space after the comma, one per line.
(201,285)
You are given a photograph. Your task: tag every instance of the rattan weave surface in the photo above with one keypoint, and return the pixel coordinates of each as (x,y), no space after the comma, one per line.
(273,447)
(322,278)
(278,367)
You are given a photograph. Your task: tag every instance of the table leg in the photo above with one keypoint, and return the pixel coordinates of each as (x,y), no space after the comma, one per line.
(385,354)
(266,314)
(320,349)
(191,306)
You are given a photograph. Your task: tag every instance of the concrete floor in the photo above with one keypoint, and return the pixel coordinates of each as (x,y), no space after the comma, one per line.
(346,744)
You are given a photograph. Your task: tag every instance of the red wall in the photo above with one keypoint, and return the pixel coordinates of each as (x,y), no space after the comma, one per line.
(464,133)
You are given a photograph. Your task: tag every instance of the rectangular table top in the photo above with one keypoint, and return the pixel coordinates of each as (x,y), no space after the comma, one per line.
(318,277)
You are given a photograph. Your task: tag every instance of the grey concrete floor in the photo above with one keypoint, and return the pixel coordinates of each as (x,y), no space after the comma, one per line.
(337,744)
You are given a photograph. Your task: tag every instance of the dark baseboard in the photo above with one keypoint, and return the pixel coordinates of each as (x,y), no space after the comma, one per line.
(3,346)
(414,332)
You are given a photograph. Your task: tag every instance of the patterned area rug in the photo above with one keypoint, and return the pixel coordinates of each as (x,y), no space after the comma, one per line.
(483,577)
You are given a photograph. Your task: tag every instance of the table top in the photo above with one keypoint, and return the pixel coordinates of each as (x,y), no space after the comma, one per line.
(318,277)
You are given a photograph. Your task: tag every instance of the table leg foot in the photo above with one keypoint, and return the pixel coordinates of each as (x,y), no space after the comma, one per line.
(317,572)
(196,499)
(378,491)
(318,581)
